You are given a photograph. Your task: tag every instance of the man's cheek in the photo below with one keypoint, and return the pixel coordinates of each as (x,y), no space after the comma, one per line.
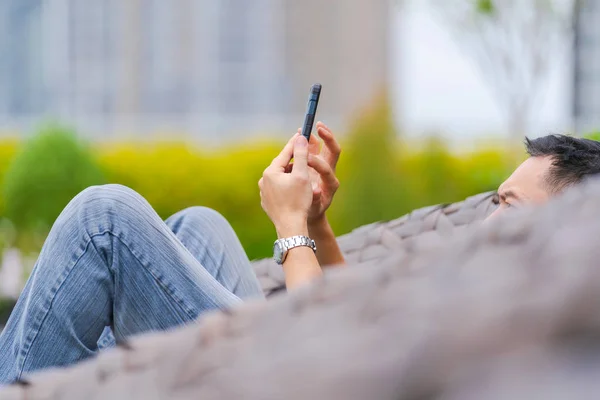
(493,215)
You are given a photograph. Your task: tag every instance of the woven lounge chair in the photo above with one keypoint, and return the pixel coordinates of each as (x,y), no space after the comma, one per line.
(500,311)
(420,230)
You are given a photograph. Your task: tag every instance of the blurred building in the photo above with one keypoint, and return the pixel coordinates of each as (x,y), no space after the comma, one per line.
(586,82)
(208,67)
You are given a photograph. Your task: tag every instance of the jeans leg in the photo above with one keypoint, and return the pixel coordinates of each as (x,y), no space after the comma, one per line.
(109,260)
(213,242)
(210,238)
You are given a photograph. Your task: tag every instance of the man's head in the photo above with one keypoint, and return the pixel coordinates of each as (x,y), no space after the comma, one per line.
(556,162)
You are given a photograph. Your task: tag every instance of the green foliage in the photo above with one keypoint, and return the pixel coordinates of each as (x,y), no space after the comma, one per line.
(8,149)
(485,7)
(371,186)
(174,176)
(381,177)
(593,136)
(51,168)
(6,306)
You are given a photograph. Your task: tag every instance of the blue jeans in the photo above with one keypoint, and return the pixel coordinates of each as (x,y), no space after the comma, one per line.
(111,268)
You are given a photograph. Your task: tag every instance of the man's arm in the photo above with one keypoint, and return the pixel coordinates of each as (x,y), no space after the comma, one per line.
(300,265)
(286,198)
(323,161)
(328,250)
(295,197)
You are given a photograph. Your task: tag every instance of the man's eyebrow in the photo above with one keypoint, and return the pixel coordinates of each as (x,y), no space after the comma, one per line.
(505,194)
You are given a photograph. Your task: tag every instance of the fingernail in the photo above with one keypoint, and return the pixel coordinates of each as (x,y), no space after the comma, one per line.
(301,141)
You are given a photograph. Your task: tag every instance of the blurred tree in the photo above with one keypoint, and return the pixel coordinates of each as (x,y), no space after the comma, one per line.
(514,44)
(6,306)
(593,136)
(382,178)
(49,171)
(435,174)
(371,189)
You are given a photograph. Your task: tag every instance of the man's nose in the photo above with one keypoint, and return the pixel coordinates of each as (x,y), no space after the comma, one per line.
(492,215)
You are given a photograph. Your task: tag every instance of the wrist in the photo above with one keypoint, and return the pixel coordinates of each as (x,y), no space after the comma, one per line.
(318,226)
(292,227)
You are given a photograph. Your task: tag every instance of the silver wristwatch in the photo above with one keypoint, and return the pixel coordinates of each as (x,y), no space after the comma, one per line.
(282,246)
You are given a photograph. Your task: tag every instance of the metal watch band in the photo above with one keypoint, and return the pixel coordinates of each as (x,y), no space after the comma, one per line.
(282,246)
(298,241)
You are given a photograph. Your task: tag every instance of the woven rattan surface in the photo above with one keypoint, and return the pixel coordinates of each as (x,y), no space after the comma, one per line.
(418,231)
(506,310)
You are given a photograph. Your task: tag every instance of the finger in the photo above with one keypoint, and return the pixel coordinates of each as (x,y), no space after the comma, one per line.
(300,156)
(314,145)
(321,124)
(324,169)
(328,137)
(294,137)
(332,147)
(283,159)
(317,196)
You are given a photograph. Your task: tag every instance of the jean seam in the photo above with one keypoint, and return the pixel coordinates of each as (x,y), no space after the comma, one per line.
(207,254)
(29,343)
(188,310)
(157,279)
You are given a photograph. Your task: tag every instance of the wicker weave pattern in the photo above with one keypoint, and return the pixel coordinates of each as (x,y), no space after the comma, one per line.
(418,231)
(506,310)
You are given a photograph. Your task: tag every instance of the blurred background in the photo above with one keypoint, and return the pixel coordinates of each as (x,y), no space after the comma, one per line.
(187,101)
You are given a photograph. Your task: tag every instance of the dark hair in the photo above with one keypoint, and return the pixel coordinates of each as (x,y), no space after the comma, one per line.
(573,158)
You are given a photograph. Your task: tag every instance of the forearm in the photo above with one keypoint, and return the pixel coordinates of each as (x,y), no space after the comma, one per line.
(301,265)
(328,250)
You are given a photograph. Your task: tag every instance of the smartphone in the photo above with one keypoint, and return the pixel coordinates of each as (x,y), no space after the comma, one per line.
(311,110)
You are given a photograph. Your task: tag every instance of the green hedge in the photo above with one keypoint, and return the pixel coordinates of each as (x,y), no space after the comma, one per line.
(6,306)
(382,177)
(49,170)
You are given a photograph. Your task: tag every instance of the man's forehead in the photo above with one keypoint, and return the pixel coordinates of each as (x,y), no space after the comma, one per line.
(528,181)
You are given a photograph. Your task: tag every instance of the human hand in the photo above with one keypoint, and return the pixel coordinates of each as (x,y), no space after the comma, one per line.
(285,192)
(323,161)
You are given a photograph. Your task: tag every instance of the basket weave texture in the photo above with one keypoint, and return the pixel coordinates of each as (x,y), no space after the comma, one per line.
(505,310)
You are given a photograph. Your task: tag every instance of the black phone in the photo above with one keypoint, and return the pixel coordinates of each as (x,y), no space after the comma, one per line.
(311,110)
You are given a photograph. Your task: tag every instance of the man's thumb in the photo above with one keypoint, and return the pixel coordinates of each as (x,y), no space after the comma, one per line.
(300,155)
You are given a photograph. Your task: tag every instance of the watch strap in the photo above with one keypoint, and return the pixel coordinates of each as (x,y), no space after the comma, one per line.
(282,246)
(298,241)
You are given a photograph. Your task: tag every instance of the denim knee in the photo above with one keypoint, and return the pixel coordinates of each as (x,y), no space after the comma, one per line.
(201,216)
(106,193)
(106,197)
(99,205)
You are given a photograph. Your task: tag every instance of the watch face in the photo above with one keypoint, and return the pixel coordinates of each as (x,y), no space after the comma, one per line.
(278,253)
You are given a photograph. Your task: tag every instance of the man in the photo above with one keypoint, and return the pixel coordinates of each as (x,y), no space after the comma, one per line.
(111,268)
(556,162)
